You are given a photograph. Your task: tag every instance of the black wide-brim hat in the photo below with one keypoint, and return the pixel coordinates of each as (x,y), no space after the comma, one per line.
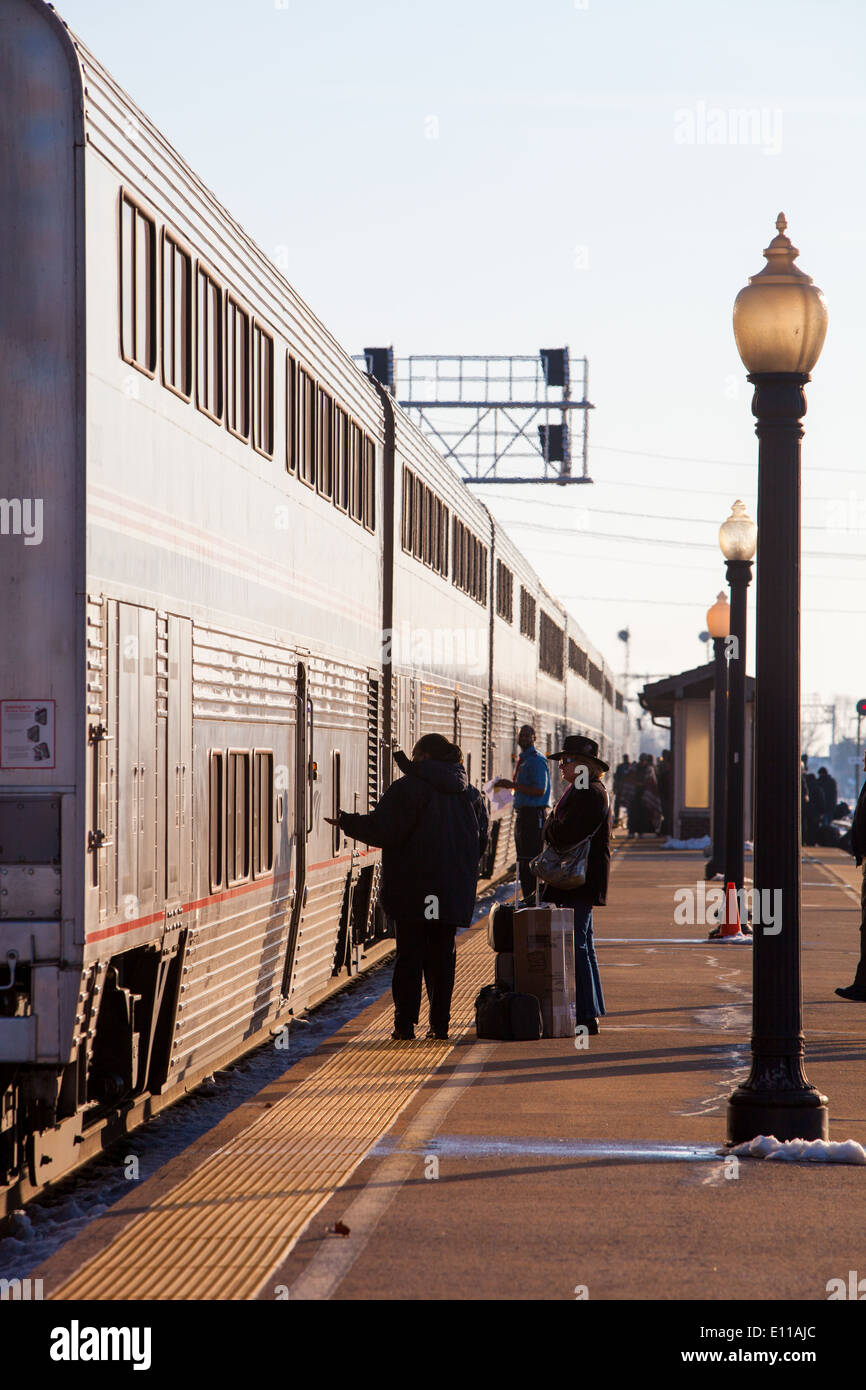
(578,746)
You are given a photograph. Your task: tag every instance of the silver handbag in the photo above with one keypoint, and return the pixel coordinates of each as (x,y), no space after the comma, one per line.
(563,868)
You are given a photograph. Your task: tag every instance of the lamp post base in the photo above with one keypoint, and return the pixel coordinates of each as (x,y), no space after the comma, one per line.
(800,1114)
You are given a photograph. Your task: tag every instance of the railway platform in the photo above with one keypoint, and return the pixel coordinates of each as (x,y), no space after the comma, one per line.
(480,1170)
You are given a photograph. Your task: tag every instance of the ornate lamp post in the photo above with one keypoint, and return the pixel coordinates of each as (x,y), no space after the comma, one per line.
(719,626)
(780,320)
(737,537)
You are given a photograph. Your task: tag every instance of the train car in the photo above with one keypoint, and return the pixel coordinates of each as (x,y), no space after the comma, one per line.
(234,578)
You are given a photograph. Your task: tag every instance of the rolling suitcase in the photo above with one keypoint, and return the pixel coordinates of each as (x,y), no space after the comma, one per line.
(503,969)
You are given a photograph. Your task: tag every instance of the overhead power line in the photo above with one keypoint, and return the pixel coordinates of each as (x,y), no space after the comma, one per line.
(711,463)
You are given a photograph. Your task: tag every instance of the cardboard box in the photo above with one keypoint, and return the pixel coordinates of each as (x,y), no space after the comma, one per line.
(544,965)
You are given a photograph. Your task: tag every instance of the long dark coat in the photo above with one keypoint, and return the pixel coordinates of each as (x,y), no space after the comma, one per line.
(432,829)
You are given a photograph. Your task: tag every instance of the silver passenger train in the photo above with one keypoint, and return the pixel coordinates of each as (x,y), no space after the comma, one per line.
(234,577)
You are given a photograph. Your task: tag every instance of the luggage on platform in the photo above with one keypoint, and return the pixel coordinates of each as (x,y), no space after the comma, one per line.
(500,927)
(544,965)
(503,969)
(505,1016)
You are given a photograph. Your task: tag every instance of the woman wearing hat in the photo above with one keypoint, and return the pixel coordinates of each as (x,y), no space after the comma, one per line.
(583,809)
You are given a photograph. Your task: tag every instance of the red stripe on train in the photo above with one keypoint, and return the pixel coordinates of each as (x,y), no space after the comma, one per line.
(121,928)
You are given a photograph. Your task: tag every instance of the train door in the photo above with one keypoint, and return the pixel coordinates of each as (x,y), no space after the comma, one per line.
(136,759)
(178,780)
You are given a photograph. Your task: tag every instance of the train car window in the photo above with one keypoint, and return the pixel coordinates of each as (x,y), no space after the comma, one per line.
(504,592)
(209,345)
(456,575)
(369,484)
(324,454)
(342,480)
(485,565)
(238,817)
(551,646)
(291,414)
(137,287)
(418,519)
(445,520)
(357,466)
(217,821)
(237,369)
(176,317)
(577,659)
(263,391)
(435,532)
(408,503)
(307,427)
(263,813)
(527,614)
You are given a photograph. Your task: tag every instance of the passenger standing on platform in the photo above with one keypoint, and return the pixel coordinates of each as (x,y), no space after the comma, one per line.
(432,829)
(857,991)
(620,778)
(583,810)
(531,787)
(828,793)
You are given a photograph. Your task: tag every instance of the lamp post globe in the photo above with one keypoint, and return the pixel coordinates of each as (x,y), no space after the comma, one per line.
(738,536)
(719,617)
(780,322)
(780,317)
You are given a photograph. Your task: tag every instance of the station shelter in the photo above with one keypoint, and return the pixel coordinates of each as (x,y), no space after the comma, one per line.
(687,702)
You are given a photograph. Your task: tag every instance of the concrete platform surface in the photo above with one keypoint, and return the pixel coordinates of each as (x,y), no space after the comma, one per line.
(548,1171)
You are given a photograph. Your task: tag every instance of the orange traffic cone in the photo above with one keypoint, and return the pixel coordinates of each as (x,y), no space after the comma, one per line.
(729,917)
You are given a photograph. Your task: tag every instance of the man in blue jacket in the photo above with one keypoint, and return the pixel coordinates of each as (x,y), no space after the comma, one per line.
(531,787)
(432,829)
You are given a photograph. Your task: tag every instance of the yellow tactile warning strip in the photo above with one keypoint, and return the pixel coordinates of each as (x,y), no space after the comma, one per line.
(221,1231)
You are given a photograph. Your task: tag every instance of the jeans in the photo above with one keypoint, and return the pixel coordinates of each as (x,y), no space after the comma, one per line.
(423,949)
(589,999)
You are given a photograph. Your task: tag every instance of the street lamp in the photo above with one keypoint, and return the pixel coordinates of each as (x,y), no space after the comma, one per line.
(737,537)
(780,320)
(719,626)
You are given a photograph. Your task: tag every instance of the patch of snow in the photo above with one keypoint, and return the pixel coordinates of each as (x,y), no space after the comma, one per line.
(801,1150)
(698,842)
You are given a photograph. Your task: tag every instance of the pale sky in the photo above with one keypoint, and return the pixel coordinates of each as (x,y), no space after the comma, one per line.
(577,193)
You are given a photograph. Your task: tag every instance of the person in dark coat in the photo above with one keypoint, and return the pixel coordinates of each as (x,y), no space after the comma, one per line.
(645,807)
(620,780)
(432,829)
(857,991)
(811,803)
(828,793)
(583,810)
